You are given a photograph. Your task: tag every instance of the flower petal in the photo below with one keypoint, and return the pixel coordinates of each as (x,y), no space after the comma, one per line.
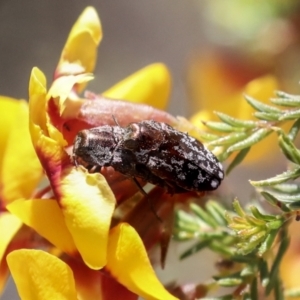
(111,289)
(41,276)
(49,151)
(86,200)
(21,170)
(9,226)
(61,89)
(37,102)
(88,281)
(80,51)
(129,264)
(88,203)
(46,218)
(150,85)
(9,108)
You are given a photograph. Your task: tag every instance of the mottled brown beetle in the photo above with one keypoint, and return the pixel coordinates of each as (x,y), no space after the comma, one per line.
(152,151)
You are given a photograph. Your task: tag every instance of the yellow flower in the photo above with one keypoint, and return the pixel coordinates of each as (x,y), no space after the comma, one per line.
(20,172)
(50,278)
(219,85)
(75,216)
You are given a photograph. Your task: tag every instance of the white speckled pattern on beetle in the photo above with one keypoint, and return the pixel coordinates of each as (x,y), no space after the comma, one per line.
(153,151)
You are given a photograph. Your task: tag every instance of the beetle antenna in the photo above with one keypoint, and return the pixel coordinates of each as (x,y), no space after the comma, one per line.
(115,120)
(146,196)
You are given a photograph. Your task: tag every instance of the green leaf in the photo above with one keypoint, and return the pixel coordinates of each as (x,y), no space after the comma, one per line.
(285,95)
(290,115)
(294,130)
(186,220)
(223,155)
(294,205)
(222,127)
(238,209)
(194,249)
(265,116)
(244,259)
(247,296)
(288,148)
(203,215)
(285,198)
(254,289)
(273,201)
(278,290)
(207,137)
(275,267)
(287,188)
(254,222)
(235,122)
(257,214)
(288,175)
(264,272)
(259,106)
(267,243)
(237,160)
(251,140)
(229,139)
(288,102)
(217,211)
(248,271)
(276,224)
(228,282)
(220,248)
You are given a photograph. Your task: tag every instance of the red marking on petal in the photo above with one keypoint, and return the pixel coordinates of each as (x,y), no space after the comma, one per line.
(54,165)
(111,289)
(71,127)
(53,112)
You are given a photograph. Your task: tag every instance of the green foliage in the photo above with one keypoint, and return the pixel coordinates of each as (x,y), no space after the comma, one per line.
(250,241)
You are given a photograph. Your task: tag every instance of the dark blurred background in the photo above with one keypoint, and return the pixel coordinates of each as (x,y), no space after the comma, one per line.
(136,33)
(241,39)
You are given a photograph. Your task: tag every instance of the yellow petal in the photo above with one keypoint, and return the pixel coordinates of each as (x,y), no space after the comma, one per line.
(37,101)
(9,226)
(46,218)
(9,107)
(200,116)
(50,151)
(81,46)
(61,88)
(88,203)
(41,276)
(129,264)
(21,169)
(52,156)
(150,85)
